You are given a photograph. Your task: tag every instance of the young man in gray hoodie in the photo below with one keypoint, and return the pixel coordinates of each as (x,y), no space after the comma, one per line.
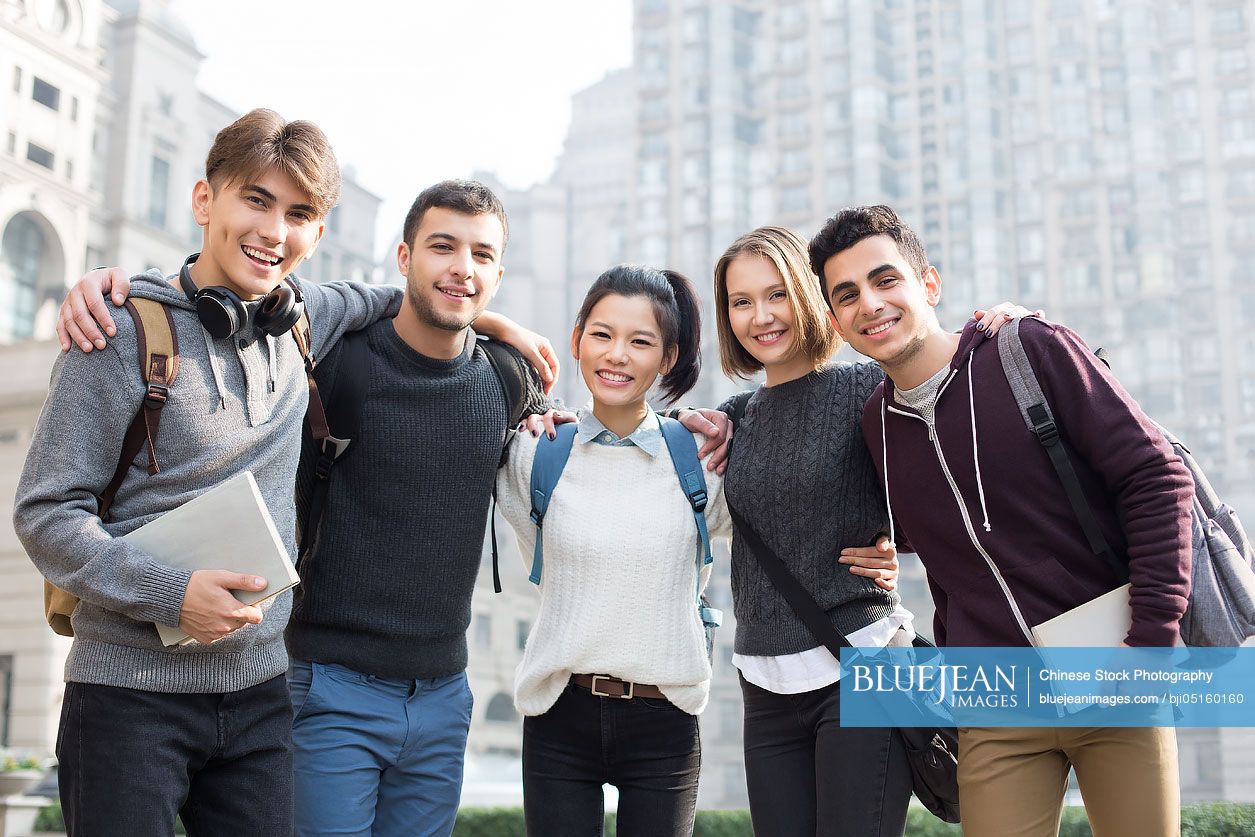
(204,730)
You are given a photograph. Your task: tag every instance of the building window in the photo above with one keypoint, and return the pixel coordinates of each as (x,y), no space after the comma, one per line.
(74,108)
(521,628)
(69,169)
(159,192)
(39,155)
(483,631)
(11,147)
(23,253)
(17,79)
(46,94)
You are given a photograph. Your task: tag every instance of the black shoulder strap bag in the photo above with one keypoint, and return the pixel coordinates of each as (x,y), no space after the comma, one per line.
(932,752)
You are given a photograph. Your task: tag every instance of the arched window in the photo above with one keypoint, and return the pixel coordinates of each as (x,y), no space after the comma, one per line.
(500,708)
(21,260)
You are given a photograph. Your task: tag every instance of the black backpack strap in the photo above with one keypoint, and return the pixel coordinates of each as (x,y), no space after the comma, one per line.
(344,404)
(513,388)
(739,402)
(803,603)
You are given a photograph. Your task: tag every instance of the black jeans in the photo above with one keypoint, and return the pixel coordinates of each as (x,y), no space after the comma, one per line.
(130,761)
(645,747)
(808,775)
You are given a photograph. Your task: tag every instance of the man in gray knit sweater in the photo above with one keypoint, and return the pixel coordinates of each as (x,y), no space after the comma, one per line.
(149,732)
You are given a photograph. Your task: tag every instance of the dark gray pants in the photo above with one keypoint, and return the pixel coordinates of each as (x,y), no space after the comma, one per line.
(807,774)
(130,761)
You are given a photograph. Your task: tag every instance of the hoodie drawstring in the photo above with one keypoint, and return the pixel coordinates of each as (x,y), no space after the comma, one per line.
(272,367)
(971,406)
(884,458)
(215,365)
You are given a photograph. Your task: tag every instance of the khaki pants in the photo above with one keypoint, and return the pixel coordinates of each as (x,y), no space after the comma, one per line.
(1012,780)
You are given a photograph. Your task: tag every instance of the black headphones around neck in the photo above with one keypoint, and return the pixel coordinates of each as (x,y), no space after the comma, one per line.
(223,313)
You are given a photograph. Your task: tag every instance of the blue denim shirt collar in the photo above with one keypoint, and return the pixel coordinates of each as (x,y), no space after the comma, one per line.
(647,436)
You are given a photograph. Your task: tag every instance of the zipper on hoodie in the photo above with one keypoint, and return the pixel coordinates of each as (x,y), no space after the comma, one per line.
(967,520)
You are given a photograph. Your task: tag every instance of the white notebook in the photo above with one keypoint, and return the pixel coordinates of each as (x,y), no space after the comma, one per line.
(226,528)
(1103,622)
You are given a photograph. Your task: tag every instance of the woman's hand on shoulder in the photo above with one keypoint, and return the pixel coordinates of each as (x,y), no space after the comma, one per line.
(547,421)
(995,318)
(879,562)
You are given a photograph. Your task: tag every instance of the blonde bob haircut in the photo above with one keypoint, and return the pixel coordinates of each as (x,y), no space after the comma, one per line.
(814,336)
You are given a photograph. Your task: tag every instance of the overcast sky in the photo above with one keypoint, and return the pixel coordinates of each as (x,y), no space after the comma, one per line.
(412,93)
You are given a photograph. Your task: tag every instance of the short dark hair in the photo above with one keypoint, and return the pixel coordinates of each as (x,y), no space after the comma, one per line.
(261,140)
(853,224)
(677,308)
(469,197)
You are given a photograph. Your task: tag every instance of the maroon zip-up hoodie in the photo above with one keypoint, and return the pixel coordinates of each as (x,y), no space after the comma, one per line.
(976,497)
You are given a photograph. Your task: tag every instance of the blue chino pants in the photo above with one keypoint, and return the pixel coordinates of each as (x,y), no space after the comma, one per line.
(375,755)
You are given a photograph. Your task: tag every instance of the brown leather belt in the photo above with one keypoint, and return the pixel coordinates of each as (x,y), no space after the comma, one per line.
(603,685)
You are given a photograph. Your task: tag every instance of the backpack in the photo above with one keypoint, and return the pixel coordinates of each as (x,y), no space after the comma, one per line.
(1221,607)
(550,460)
(159,365)
(346,400)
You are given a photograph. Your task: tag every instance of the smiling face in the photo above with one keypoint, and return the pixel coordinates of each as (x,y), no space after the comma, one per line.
(759,310)
(620,350)
(255,232)
(878,303)
(452,267)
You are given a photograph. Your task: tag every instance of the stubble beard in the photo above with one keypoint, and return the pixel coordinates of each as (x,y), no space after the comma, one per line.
(428,315)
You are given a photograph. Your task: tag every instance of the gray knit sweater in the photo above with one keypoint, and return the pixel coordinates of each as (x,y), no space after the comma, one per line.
(801,475)
(388,584)
(208,433)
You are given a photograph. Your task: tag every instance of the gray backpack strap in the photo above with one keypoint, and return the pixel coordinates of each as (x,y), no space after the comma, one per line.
(1041,422)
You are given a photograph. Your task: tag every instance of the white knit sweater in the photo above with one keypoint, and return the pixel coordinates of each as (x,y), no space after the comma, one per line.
(618,591)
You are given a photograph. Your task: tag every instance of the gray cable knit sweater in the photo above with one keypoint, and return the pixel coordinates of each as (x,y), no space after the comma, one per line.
(801,475)
(207,435)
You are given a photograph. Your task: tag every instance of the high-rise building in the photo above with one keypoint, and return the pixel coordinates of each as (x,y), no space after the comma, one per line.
(1092,157)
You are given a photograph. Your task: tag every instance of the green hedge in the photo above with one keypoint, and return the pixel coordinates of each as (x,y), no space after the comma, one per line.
(1210,820)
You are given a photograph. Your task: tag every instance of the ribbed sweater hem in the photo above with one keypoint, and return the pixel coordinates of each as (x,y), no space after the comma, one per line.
(395,655)
(210,672)
(774,639)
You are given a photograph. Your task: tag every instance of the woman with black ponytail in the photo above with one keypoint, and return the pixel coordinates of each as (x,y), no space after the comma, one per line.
(616,667)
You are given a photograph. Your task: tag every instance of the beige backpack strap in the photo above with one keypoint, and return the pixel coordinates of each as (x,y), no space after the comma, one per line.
(159,364)
(158,346)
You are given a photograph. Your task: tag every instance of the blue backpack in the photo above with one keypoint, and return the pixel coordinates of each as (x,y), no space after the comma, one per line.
(551,458)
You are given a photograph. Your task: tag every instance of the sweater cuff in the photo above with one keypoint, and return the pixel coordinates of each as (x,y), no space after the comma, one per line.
(160,594)
(1155,631)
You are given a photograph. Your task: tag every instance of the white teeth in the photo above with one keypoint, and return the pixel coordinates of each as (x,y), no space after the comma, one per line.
(612,376)
(259,255)
(767,338)
(458,294)
(879,328)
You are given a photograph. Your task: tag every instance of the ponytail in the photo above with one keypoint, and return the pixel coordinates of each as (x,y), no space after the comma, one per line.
(688,339)
(677,309)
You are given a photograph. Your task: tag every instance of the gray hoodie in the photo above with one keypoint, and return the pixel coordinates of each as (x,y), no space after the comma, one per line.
(237,404)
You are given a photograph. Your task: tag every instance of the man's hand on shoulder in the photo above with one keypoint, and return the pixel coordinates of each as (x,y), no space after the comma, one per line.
(84,313)
(717,428)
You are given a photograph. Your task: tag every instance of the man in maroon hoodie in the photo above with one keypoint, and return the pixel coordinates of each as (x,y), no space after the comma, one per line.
(977,498)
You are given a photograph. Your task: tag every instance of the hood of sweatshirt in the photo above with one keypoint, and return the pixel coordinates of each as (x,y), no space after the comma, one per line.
(960,366)
(155,285)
